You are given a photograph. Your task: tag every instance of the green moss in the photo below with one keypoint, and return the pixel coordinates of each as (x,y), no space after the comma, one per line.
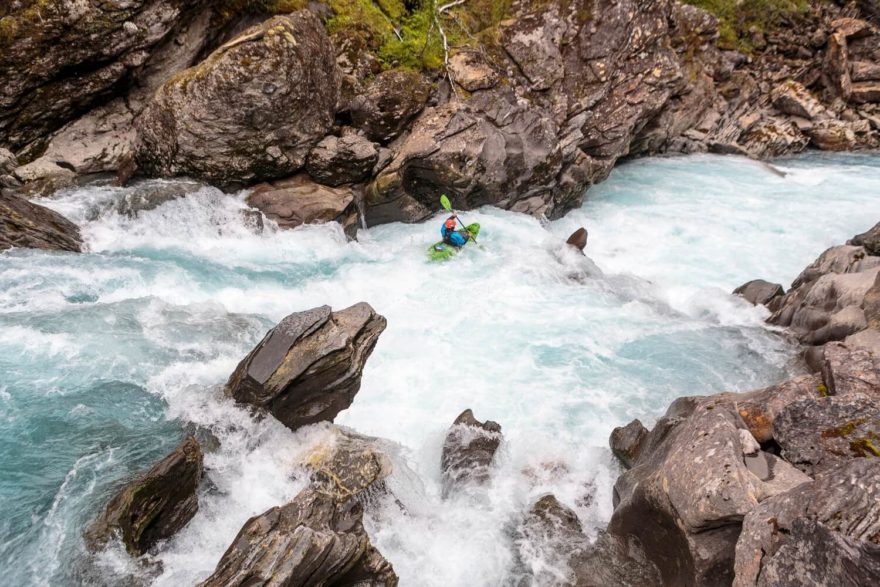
(843,430)
(737,17)
(863,447)
(823,391)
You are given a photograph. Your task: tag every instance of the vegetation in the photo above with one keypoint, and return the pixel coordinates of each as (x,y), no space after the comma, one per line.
(738,18)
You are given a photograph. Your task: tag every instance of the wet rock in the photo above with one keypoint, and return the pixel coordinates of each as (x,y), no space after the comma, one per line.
(824,532)
(298,200)
(155,505)
(347,465)
(468,451)
(28,225)
(615,561)
(42,178)
(223,120)
(818,434)
(310,541)
(472,71)
(335,161)
(626,442)
(547,539)
(578,239)
(308,368)
(869,239)
(759,292)
(389,103)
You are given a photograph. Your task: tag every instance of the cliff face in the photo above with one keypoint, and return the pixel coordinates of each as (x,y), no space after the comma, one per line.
(522,105)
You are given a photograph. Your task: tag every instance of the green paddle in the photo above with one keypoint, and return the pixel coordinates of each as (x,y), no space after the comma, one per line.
(447,205)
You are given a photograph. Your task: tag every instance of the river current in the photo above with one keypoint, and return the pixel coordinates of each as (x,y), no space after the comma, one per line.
(108,357)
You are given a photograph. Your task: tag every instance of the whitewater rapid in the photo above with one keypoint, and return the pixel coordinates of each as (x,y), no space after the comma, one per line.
(107,357)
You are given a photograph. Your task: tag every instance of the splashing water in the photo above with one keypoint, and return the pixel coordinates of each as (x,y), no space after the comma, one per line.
(106,356)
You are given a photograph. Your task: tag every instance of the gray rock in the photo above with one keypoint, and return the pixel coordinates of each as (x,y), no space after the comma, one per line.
(468,451)
(869,240)
(472,71)
(533,41)
(547,539)
(310,541)
(335,161)
(626,442)
(613,561)
(850,371)
(759,292)
(821,433)
(308,368)
(298,200)
(252,110)
(155,505)
(28,225)
(8,162)
(389,103)
(823,532)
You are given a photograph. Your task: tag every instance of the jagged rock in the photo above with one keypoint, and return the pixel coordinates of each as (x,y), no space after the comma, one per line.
(615,561)
(851,27)
(389,103)
(471,71)
(8,162)
(58,58)
(759,409)
(626,442)
(533,41)
(850,371)
(865,92)
(836,65)
(308,368)
(154,506)
(865,71)
(468,451)
(773,137)
(252,110)
(335,161)
(28,225)
(298,200)
(759,292)
(792,98)
(832,135)
(824,532)
(310,541)
(347,465)
(547,539)
(578,239)
(818,434)
(869,239)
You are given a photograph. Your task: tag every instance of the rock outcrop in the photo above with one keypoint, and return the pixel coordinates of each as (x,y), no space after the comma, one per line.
(389,104)
(626,442)
(308,368)
(298,200)
(468,451)
(252,110)
(155,505)
(28,225)
(310,541)
(338,160)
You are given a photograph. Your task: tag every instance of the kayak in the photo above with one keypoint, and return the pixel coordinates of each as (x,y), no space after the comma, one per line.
(441,251)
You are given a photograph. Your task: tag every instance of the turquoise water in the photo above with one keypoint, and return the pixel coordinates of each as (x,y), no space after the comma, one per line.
(106,357)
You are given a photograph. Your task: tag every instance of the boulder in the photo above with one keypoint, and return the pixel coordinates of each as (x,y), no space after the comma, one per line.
(389,103)
(626,442)
(472,71)
(865,92)
(821,433)
(8,161)
(869,240)
(468,451)
(759,292)
(154,506)
(832,135)
(824,532)
(615,561)
(865,71)
(578,239)
(42,178)
(28,225)
(312,540)
(547,539)
(791,97)
(850,371)
(298,200)
(773,137)
(533,42)
(335,161)
(252,110)
(308,368)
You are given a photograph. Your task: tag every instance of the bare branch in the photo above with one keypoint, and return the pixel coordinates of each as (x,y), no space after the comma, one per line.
(446,7)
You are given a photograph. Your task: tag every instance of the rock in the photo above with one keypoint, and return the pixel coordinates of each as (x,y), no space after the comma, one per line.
(252,110)
(824,532)
(836,66)
(850,371)
(335,161)
(468,451)
(310,541)
(28,225)
(832,135)
(547,539)
(154,506)
(578,239)
(615,561)
(868,339)
(792,98)
(8,162)
(818,434)
(759,409)
(472,71)
(298,200)
(42,178)
(626,442)
(869,239)
(865,71)
(389,103)
(773,137)
(308,368)
(348,465)
(759,292)
(865,92)
(851,27)
(532,41)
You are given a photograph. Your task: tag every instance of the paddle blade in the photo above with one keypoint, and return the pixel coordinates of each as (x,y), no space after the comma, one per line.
(444,201)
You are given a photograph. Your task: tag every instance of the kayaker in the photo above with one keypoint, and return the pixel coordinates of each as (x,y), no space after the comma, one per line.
(450,235)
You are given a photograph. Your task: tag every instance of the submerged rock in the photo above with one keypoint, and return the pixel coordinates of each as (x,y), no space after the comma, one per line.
(547,539)
(298,200)
(308,368)
(613,561)
(468,451)
(759,292)
(155,505)
(578,239)
(252,110)
(28,225)
(348,465)
(310,541)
